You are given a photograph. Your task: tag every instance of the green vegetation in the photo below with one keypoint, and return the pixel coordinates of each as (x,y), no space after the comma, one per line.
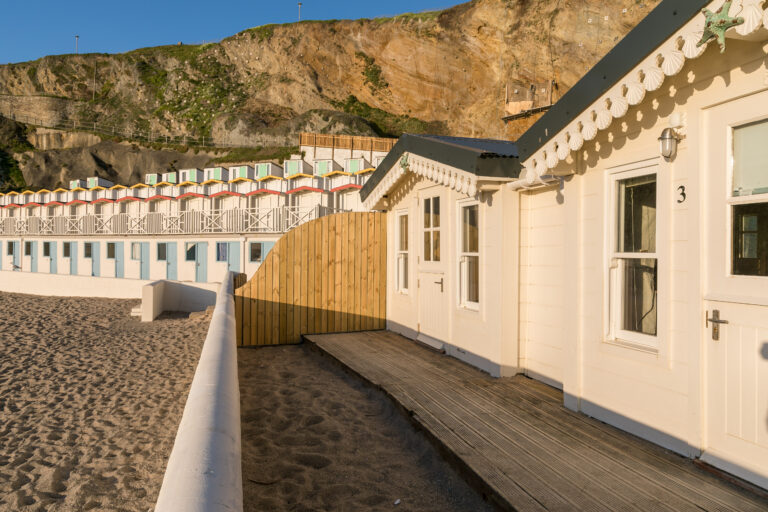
(13,139)
(372,73)
(262,33)
(386,124)
(255,154)
(412,16)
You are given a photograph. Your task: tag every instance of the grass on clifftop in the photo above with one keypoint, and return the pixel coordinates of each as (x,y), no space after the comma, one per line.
(386,124)
(255,154)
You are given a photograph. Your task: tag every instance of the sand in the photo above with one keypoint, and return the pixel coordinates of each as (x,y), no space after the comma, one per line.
(317,438)
(90,399)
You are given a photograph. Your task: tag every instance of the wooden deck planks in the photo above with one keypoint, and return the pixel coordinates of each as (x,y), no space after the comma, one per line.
(516,435)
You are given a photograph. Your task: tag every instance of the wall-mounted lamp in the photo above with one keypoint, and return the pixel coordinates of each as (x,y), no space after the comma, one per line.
(668,142)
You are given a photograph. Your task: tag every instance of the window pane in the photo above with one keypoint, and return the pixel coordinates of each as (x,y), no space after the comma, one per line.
(637,214)
(111,250)
(403,233)
(66,250)
(427,211)
(427,246)
(46,249)
(135,251)
(473,279)
(435,212)
(88,250)
(639,296)
(27,248)
(221,251)
(469,241)
(162,252)
(750,159)
(436,245)
(191,251)
(255,251)
(750,239)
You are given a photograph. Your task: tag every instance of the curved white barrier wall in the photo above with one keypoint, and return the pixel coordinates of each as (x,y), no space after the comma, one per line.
(204,472)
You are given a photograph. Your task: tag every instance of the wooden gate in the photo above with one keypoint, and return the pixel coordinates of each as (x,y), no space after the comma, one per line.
(328,275)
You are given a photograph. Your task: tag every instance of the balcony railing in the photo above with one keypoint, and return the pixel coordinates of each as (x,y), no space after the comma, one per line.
(235,220)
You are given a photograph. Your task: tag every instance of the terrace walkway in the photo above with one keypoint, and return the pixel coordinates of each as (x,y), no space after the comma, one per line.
(517,442)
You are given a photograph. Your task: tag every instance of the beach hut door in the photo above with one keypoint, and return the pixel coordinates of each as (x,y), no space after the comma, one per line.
(735,273)
(233,257)
(16,256)
(201,262)
(119,259)
(171,260)
(432,282)
(144,261)
(33,256)
(72,258)
(54,259)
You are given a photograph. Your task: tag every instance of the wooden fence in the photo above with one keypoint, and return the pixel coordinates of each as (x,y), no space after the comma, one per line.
(328,275)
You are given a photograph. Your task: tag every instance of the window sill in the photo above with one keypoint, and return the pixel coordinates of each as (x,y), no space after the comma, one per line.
(474,307)
(633,345)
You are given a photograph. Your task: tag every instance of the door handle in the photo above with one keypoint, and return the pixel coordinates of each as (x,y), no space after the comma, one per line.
(440,282)
(716,321)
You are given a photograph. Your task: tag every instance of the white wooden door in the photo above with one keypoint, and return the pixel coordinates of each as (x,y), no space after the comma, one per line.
(735,279)
(432,276)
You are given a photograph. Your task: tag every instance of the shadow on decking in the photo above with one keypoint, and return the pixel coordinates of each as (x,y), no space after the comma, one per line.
(516,442)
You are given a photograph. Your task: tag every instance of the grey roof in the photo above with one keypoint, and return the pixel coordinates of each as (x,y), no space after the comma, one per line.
(483,157)
(666,19)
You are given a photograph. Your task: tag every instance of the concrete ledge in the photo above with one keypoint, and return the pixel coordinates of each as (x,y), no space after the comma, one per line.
(65,285)
(161,296)
(204,472)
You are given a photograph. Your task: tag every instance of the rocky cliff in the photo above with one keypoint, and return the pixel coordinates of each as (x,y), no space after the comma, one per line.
(444,72)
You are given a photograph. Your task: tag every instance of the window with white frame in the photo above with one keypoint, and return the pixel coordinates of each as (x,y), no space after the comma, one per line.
(634,260)
(67,249)
(162,251)
(111,250)
(432,229)
(88,250)
(46,249)
(136,251)
(27,248)
(402,253)
(469,256)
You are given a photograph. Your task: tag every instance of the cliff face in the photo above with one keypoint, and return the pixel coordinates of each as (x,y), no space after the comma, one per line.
(438,72)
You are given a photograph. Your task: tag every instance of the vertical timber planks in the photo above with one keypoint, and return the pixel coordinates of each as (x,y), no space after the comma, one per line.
(328,275)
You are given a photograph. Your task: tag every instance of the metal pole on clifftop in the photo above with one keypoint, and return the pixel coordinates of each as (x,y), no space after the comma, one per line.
(299,11)
(77,38)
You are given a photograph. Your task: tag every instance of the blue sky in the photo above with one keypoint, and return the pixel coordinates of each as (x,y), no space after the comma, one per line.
(29,30)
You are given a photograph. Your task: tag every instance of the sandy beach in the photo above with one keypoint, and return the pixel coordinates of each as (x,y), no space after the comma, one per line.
(316,438)
(90,399)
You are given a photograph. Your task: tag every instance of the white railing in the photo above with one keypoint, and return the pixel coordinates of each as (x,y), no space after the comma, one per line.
(235,220)
(204,472)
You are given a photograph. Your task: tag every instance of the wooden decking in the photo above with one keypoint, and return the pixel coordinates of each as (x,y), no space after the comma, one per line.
(514,439)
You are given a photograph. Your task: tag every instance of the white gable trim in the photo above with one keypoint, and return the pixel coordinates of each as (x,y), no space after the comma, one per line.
(446,175)
(648,76)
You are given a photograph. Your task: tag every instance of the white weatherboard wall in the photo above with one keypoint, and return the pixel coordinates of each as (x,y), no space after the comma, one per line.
(656,394)
(204,472)
(485,337)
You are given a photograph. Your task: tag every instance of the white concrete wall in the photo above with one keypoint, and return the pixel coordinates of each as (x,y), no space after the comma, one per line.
(204,471)
(70,286)
(161,296)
